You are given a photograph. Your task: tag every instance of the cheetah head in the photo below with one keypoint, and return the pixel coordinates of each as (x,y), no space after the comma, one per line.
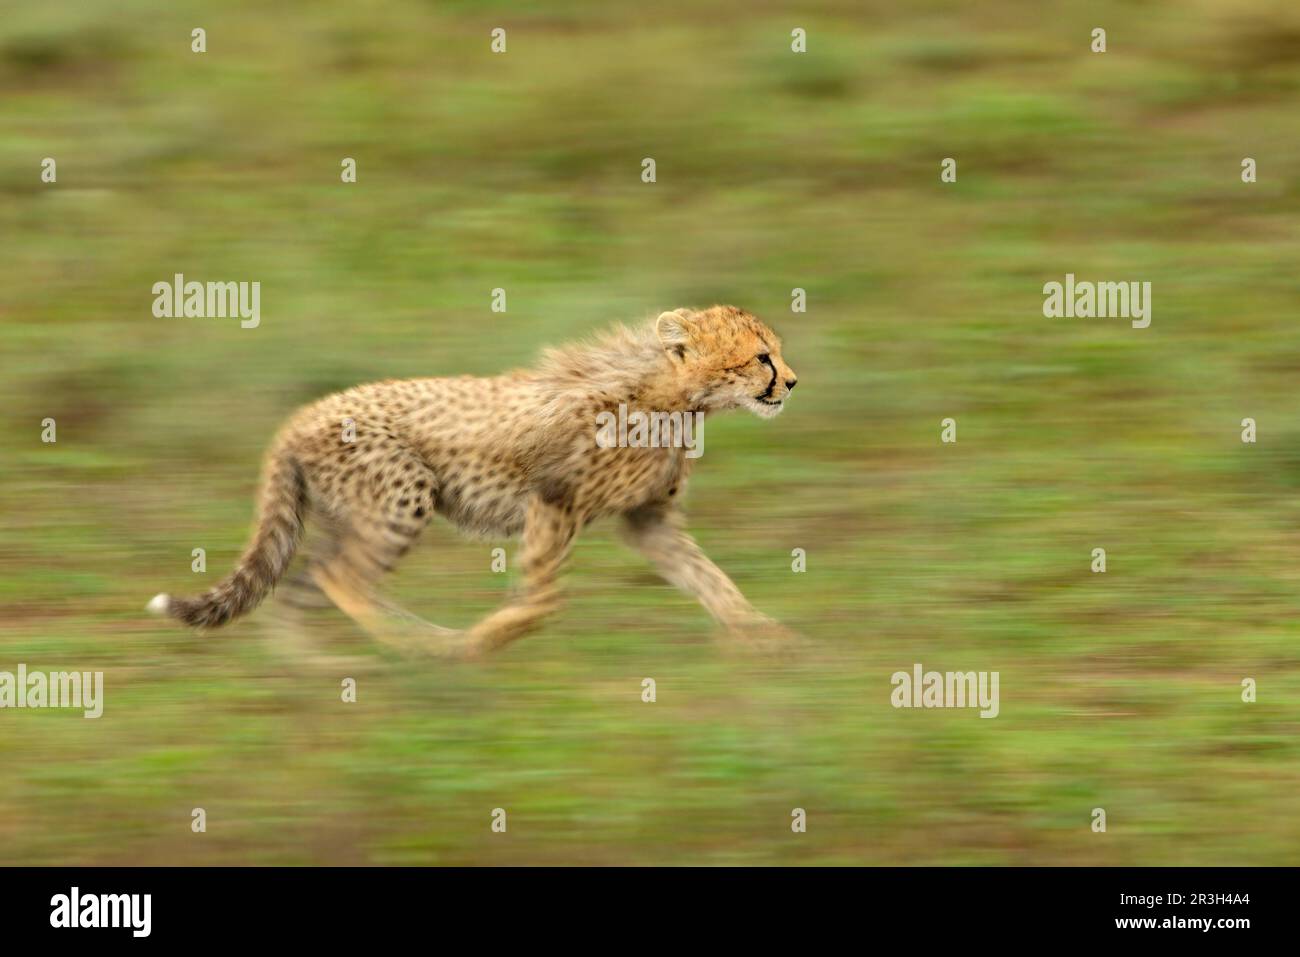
(726,359)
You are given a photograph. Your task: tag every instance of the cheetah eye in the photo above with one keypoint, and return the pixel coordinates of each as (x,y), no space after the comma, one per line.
(764,358)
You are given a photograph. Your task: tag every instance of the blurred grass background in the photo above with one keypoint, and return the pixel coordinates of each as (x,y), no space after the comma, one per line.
(775,171)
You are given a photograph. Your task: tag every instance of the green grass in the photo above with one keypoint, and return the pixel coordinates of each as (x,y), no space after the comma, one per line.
(819,171)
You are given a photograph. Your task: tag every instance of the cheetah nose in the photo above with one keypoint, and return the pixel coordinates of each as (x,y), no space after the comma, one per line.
(790,384)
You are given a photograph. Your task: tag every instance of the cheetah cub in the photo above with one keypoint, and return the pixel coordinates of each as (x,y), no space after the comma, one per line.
(517,454)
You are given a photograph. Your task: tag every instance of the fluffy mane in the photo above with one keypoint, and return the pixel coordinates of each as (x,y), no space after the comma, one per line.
(619,364)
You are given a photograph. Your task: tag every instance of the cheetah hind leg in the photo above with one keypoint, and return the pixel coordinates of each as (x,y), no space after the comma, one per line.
(290,633)
(348,578)
(346,571)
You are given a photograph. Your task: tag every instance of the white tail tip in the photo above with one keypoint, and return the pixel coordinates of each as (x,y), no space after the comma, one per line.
(158,604)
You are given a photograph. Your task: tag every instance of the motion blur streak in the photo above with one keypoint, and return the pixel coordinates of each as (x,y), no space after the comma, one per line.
(775,171)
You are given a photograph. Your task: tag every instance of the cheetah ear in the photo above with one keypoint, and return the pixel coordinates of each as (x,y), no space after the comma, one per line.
(674,331)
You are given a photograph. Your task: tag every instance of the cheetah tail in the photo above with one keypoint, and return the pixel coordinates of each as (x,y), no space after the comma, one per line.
(275,538)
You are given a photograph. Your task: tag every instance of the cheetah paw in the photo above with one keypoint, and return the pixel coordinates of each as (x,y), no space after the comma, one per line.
(763,635)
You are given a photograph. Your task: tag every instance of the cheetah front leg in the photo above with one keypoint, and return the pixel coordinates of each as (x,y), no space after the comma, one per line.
(549,531)
(658,534)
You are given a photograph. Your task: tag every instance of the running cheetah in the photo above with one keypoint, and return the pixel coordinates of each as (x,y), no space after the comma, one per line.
(516,454)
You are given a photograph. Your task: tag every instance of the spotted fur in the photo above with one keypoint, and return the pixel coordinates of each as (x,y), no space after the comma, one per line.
(510,455)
